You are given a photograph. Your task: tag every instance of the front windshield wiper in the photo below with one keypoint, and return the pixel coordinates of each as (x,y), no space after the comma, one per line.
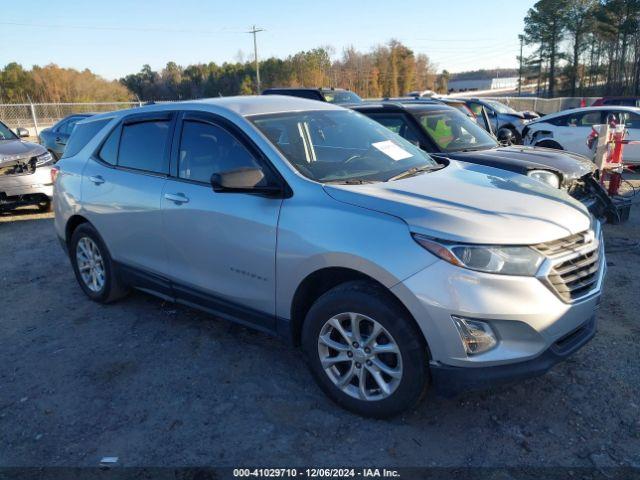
(351,181)
(414,171)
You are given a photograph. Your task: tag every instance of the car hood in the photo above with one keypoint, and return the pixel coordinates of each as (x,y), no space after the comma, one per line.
(472,204)
(11,150)
(569,165)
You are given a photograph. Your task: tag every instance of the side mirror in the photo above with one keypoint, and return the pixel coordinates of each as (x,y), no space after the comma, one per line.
(243,180)
(22,132)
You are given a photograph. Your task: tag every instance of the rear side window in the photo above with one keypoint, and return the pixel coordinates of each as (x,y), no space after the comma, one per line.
(143,146)
(81,135)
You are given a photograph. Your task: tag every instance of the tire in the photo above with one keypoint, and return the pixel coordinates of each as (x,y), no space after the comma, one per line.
(45,206)
(549,144)
(111,288)
(372,304)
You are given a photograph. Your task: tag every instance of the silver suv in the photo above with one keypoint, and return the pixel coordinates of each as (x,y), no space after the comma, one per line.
(315,223)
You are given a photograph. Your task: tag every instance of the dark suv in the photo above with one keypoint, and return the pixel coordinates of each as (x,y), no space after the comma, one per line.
(444,131)
(331,95)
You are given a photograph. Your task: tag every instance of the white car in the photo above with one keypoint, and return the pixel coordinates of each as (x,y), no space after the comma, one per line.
(569,129)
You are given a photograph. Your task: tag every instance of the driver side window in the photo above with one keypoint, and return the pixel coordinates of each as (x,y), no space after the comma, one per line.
(206,149)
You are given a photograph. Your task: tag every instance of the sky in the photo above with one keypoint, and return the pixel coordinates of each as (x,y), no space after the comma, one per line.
(116,37)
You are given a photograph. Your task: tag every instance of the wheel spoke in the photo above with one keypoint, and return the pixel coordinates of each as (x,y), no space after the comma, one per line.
(385,348)
(377,376)
(335,323)
(331,361)
(355,326)
(346,378)
(379,365)
(375,331)
(329,342)
(362,383)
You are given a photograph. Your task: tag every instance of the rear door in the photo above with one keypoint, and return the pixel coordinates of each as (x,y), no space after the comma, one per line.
(122,187)
(221,245)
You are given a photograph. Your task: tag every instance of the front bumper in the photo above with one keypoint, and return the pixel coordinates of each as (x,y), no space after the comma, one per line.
(450,381)
(25,189)
(531,322)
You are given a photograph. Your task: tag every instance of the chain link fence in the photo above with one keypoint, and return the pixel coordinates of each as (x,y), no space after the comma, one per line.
(36,116)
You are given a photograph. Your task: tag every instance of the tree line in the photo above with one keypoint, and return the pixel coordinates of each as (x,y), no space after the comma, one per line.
(387,70)
(584,47)
(57,85)
(391,69)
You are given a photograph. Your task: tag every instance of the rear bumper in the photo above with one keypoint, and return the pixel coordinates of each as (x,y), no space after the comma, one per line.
(450,381)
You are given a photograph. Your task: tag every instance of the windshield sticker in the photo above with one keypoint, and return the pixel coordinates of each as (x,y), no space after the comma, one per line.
(392,150)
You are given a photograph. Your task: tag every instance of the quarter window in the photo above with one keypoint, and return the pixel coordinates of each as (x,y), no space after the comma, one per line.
(143,146)
(206,149)
(109,151)
(83,135)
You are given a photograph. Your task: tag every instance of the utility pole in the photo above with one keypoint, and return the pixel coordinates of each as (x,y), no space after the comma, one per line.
(521,37)
(255,30)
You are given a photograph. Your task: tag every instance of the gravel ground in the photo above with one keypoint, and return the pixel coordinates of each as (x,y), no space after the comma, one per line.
(161,385)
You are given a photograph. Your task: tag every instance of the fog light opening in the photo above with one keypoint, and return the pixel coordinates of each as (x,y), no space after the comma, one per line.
(477,336)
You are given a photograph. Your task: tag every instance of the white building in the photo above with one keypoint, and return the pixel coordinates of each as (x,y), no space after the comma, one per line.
(471,85)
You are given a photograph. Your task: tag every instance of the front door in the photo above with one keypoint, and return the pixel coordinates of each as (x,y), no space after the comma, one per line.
(221,246)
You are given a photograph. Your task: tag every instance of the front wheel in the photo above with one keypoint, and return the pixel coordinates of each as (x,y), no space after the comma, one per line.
(364,350)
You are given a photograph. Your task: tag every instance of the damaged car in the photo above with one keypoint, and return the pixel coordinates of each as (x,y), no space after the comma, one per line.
(25,171)
(445,132)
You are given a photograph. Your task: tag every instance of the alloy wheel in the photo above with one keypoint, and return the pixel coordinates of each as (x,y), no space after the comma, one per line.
(90,264)
(360,356)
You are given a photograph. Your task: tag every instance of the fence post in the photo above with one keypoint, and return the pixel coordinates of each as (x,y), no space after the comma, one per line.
(33,116)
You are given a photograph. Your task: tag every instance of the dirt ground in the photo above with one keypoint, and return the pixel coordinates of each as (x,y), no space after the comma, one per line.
(160,385)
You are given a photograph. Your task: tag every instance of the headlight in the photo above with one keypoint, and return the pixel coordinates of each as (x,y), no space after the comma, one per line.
(522,261)
(44,159)
(545,176)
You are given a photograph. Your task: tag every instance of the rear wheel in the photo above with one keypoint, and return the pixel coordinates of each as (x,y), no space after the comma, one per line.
(93,266)
(364,350)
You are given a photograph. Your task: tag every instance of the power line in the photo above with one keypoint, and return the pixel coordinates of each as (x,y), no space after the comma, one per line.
(112,28)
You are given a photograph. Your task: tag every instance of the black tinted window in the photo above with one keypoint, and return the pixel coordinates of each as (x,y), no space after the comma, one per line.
(206,149)
(109,151)
(143,145)
(398,124)
(81,135)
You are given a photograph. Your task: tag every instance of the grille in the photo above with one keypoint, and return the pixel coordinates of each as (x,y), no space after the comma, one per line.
(575,264)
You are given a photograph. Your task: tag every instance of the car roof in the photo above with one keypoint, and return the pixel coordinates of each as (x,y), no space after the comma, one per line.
(244,106)
(398,106)
(588,109)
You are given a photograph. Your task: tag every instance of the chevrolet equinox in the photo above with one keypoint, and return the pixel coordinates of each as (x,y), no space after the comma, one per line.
(394,272)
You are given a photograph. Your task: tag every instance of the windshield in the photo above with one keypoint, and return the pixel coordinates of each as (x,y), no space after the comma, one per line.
(6,133)
(500,107)
(340,96)
(340,146)
(452,131)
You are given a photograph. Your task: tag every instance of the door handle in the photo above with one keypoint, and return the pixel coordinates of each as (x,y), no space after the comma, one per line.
(177,198)
(97,180)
